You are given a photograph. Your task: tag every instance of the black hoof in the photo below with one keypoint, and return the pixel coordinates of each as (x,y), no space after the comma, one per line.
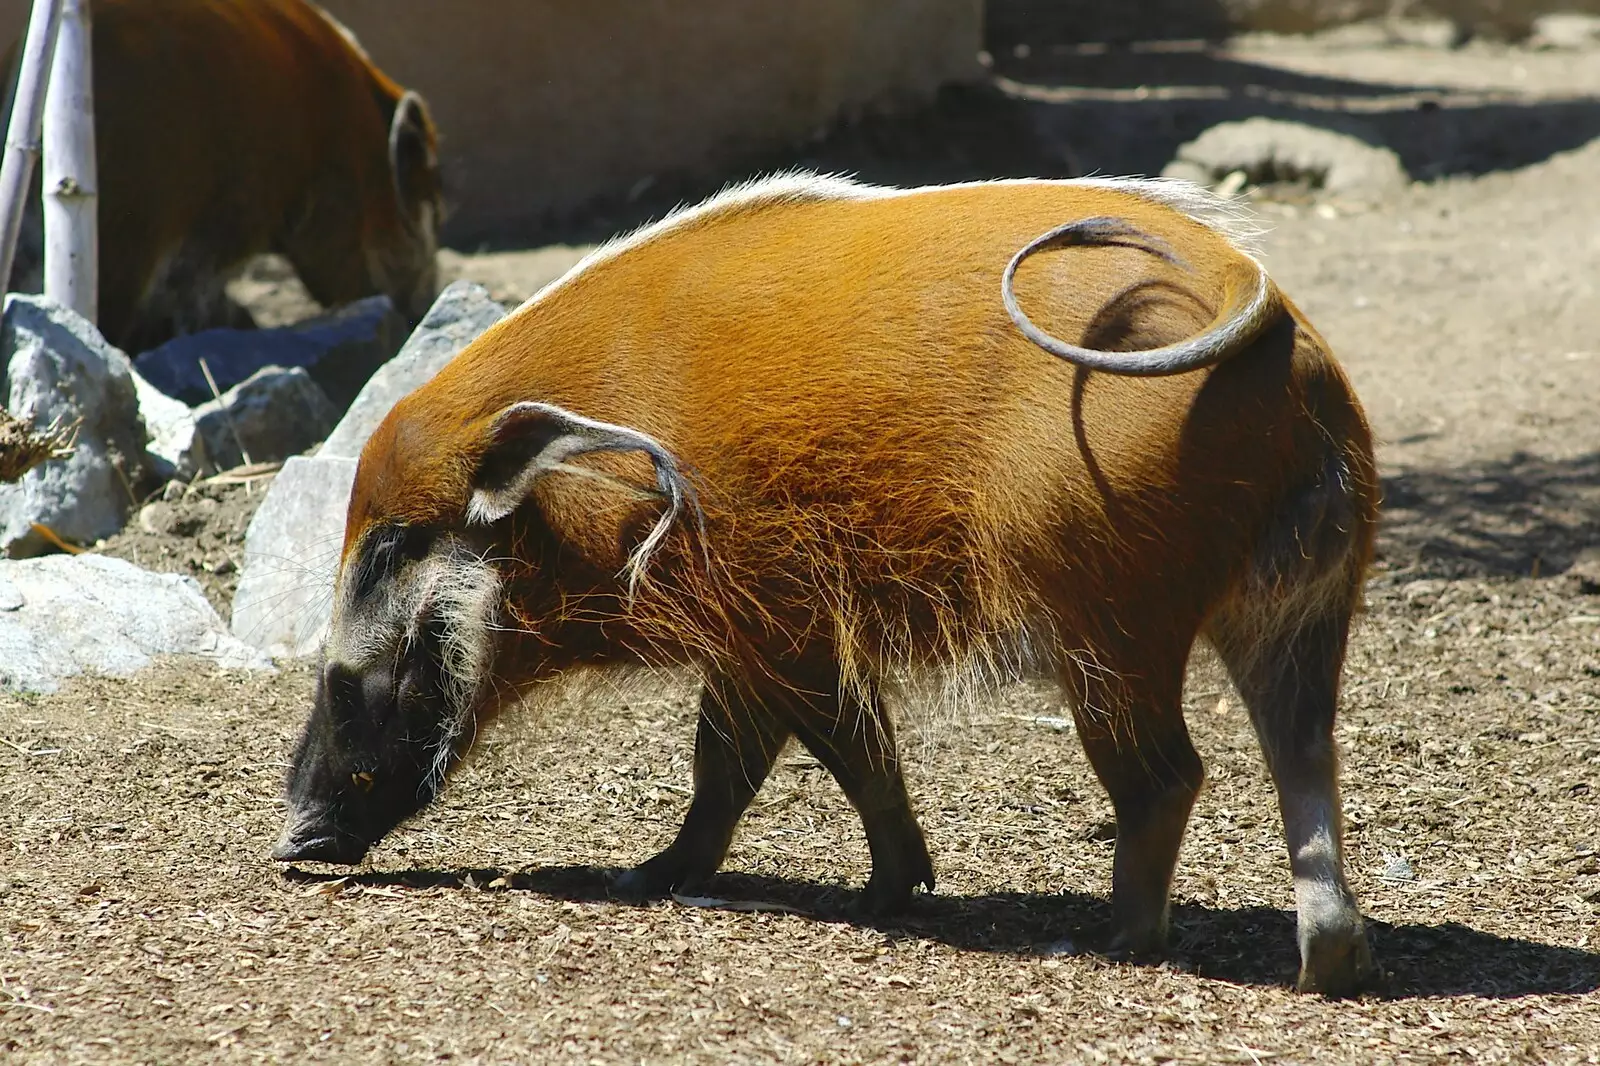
(887,895)
(655,878)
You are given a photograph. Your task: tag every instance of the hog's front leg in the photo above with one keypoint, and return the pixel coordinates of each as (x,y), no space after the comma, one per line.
(736,742)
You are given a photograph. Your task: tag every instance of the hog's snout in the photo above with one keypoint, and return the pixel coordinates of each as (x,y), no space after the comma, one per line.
(345,850)
(312,842)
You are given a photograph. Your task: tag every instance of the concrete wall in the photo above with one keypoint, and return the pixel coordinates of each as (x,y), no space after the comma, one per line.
(544,105)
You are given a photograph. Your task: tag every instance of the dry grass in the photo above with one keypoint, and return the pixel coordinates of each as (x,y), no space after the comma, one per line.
(143,922)
(22,447)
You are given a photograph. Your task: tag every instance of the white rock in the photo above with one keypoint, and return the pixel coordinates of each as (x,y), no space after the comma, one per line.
(58,367)
(291,553)
(1565,30)
(64,615)
(291,550)
(173,436)
(1268,150)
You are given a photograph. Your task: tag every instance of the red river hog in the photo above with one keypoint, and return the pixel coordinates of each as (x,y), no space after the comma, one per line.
(812,438)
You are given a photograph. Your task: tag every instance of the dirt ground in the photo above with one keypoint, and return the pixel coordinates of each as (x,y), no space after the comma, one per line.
(141,921)
(197,530)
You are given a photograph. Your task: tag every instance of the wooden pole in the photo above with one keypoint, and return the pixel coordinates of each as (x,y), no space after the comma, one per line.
(71,188)
(22,133)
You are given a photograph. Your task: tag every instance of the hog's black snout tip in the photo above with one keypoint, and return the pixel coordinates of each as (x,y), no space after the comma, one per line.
(330,847)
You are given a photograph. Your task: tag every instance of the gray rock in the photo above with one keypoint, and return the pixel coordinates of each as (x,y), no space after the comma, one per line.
(273,414)
(58,367)
(340,350)
(65,615)
(458,316)
(291,552)
(1268,150)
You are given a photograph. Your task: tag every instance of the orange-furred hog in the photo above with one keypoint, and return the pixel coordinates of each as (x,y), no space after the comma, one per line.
(812,438)
(225,129)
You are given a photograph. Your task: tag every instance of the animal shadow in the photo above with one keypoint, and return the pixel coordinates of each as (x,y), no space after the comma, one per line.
(1246,946)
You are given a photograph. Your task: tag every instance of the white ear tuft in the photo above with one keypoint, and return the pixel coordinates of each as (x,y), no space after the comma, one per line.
(486,507)
(530,440)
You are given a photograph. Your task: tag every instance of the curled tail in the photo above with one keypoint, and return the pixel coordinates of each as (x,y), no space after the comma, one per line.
(1246,312)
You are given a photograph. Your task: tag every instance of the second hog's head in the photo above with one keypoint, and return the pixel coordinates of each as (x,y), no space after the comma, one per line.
(419,603)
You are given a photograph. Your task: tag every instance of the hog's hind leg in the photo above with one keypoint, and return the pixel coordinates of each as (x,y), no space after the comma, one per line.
(1282,634)
(1129,715)
(1288,676)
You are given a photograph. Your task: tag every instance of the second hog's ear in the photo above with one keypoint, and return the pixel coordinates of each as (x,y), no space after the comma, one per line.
(529,441)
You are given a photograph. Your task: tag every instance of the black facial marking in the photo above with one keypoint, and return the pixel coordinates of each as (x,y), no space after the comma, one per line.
(368,757)
(383,551)
(387,723)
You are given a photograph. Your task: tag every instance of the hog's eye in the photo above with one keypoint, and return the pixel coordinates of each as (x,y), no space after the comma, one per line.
(415,543)
(362,780)
(384,552)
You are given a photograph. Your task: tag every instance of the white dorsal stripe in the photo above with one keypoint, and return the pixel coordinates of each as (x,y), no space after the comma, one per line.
(1229,218)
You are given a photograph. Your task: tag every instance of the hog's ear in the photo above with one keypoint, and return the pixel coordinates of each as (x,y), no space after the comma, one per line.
(528,441)
(413,155)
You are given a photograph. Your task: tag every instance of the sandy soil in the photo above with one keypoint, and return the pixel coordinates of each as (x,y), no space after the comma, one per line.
(142,922)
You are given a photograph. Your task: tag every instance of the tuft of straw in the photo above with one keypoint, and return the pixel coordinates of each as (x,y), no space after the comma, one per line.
(22,447)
